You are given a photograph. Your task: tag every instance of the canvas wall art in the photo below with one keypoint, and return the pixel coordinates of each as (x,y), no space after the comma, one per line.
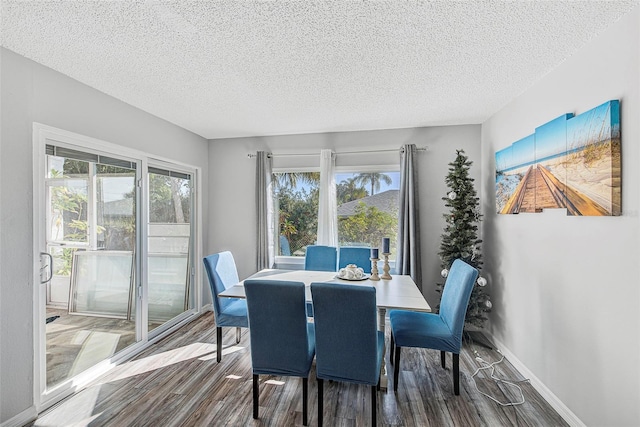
(571,162)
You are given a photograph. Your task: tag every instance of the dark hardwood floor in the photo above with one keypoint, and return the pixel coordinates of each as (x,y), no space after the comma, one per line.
(177,382)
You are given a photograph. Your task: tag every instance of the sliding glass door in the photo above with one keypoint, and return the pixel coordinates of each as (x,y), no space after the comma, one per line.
(114,241)
(90,222)
(170,229)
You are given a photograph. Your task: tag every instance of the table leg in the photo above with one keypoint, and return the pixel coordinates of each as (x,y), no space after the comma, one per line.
(381,327)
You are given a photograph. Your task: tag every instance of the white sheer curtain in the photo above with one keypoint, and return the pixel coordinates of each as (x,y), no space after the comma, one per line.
(408,259)
(264,209)
(327,209)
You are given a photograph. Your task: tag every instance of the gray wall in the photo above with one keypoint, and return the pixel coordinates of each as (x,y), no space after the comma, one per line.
(566,289)
(33,93)
(232,191)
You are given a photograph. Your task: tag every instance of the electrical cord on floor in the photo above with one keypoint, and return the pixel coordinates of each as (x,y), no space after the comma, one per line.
(496,379)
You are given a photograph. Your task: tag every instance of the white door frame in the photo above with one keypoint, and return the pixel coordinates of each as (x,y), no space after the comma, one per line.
(42,135)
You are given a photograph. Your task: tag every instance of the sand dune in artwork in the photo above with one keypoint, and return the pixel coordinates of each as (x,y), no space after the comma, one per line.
(593,171)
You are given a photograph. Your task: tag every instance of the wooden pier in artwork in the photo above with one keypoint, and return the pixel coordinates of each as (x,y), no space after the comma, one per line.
(540,189)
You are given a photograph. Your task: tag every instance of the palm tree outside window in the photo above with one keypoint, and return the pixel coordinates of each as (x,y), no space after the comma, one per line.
(367,209)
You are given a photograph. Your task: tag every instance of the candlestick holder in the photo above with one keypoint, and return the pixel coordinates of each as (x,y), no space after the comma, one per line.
(374,269)
(385,267)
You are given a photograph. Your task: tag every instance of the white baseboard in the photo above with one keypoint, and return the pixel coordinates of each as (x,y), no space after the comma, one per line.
(22,418)
(540,387)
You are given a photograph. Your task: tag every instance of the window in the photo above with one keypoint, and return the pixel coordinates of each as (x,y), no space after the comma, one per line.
(296,196)
(367,209)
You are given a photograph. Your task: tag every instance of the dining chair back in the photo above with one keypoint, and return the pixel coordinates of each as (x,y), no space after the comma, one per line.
(282,340)
(222,274)
(360,256)
(321,258)
(442,331)
(349,347)
(285,249)
(455,299)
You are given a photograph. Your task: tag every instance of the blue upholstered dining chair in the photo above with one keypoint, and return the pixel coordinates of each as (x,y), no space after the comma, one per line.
(359,256)
(222,274)
(285,249)
(442,331)
(282,340)
(321,258)
(349,347)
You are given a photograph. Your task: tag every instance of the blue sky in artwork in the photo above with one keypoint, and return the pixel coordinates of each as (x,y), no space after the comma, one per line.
(519,153)
(599,123)
(551,138)
(504,158)
(524,150)
(561,135)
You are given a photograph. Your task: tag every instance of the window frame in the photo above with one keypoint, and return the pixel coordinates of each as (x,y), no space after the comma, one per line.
(297,262)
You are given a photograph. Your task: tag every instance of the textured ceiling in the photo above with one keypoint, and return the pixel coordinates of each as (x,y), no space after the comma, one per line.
(238,68)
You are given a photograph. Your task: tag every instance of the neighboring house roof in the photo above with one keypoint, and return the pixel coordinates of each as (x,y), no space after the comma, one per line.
(387,201)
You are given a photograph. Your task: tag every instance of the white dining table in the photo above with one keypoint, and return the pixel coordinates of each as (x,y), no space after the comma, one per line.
(399,292)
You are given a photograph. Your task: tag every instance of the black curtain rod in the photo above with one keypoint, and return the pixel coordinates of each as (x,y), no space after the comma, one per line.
(251,155)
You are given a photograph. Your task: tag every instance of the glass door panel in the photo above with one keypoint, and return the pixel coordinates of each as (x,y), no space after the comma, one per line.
(66,225)
(90,222)
(169,245)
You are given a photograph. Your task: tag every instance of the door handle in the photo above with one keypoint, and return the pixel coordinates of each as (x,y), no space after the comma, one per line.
(44,267)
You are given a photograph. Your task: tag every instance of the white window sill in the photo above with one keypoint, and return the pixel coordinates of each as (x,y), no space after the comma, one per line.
(290,262)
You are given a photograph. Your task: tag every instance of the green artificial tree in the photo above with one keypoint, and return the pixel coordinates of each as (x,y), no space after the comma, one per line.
(460,238)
